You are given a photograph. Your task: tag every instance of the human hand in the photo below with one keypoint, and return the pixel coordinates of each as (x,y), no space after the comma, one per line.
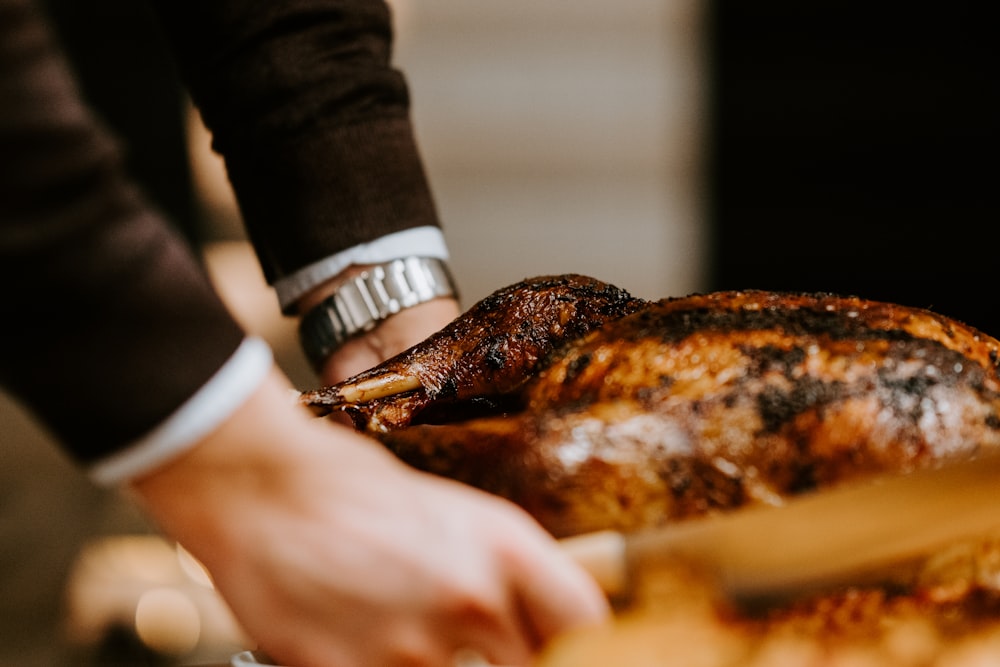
(331,553)
(395,334)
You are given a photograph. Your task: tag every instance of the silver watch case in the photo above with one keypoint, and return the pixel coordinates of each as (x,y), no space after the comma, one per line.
(363,301)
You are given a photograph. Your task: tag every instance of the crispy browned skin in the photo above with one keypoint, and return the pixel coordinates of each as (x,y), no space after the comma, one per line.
(709,402)
(483,356)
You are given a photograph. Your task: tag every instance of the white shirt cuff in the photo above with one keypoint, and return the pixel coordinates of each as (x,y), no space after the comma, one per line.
(419,241)
(215,402)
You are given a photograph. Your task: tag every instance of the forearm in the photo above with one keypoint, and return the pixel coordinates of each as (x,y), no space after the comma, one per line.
(322,158)
(304,291)
(314,128)
(111,322)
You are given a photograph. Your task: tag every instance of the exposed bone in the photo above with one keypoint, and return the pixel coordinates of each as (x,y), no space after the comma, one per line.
(322,401)
(380,386)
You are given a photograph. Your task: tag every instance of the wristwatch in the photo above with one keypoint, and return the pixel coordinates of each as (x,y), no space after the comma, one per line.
(361,302)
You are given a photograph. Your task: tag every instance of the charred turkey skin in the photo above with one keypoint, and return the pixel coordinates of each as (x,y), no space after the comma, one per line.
(671,409)
(479,361)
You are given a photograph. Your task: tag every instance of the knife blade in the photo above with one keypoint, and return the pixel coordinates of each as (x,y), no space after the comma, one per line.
(832,537)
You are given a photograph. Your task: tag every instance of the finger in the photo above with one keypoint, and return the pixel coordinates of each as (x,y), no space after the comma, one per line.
(355,356)
(493,633)
(557,595)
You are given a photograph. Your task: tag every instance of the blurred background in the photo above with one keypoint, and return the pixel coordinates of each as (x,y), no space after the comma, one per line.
(666,146)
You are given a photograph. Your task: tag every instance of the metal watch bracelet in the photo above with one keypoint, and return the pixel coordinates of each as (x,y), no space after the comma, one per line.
(361,302)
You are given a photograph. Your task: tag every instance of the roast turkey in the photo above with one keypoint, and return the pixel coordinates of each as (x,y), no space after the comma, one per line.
(593,409)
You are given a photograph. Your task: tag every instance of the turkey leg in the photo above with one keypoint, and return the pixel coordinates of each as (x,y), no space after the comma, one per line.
(489,351)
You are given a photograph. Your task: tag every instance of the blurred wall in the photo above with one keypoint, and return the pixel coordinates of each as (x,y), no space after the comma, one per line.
(561,137)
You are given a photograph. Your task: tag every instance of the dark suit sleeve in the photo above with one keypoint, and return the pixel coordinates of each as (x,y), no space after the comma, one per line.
(311,118)
(110,323)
